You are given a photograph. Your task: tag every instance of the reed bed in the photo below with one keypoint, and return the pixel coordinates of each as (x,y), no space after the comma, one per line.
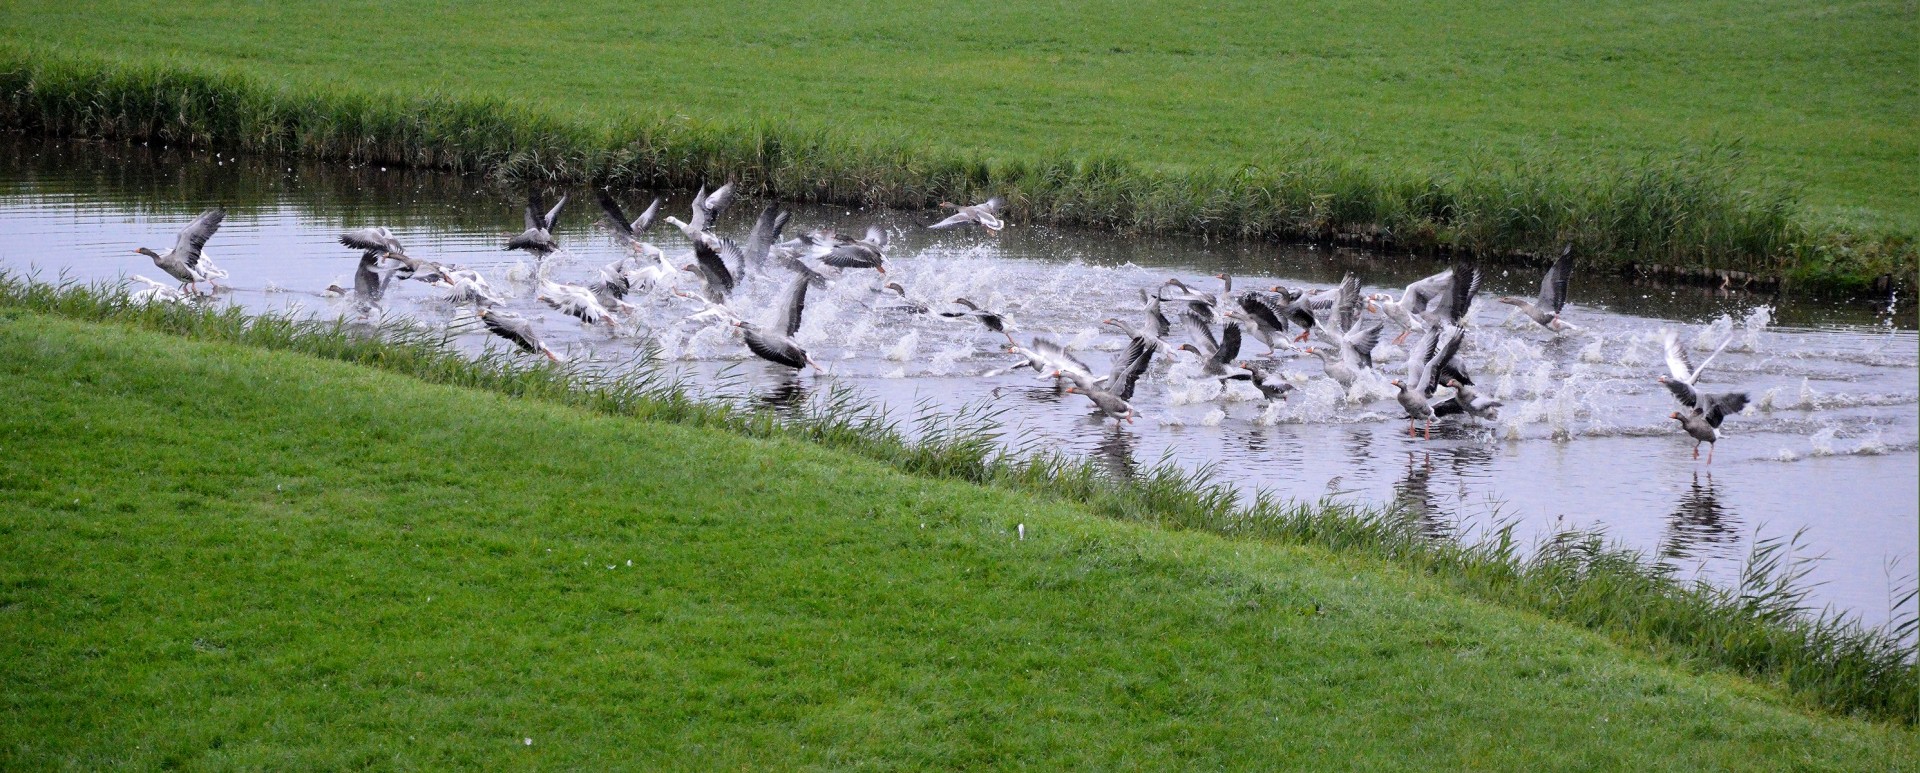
(1762,629)
(1696,208)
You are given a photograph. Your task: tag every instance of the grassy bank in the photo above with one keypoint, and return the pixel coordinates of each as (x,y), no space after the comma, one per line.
(1758,629)
(219,555)
(1760,138)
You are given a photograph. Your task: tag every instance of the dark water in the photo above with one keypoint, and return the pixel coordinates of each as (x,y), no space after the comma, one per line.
(1584,440)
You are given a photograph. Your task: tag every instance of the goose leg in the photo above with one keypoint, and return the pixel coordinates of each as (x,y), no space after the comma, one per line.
(1710,447)
(1402,337)
(1429,429)
(1696,450)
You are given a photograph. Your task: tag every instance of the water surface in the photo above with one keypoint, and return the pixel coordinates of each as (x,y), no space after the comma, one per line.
(1584,440)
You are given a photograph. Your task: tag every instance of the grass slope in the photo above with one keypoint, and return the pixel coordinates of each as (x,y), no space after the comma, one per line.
(226,557)
(1827,97)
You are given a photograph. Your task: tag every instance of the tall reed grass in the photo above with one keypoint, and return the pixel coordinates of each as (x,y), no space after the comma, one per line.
(1696,208)
(1762,628)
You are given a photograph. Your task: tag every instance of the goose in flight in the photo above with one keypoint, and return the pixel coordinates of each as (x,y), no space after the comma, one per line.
(538,238)
(517,330)
(775,344)
(577,302)
(1217,359)
(869,252)
(377,238)
(1545,310)
(187,261)
(765,234)
(1705,411)
(709,263)
(1112,397)
(985,213)
(706,209)
(1407,312)
(628,231)
(992,320)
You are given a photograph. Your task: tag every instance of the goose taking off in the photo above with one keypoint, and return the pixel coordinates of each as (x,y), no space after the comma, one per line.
(577,302)
(706,209)
(712,268)
(992,320)
(1271,384)
(1111,398)
(1425,367)
(904,303)
(869,252)
(1217,360)
(765,234)
(370,280)
(376,238)
(1706,411)
(538,238)
(776,344)
(516,329)
(1407,312)
(1553,295)
(985,213)
(1051,360)
(628,231)
(187,261)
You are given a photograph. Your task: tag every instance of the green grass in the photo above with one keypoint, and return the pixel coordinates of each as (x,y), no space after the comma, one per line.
(217,555)
(1763,136)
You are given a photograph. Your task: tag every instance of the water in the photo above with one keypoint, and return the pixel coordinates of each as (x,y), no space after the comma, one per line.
(1584,439)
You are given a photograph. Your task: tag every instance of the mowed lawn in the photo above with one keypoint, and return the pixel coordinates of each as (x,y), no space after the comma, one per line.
(1825,97)
(217,556)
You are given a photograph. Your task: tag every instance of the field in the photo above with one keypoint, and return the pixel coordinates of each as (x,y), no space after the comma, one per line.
(222,556)
(1727,113)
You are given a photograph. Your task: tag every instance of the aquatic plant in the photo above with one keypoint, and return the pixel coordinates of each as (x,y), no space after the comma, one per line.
(1694,208)
(1762,628)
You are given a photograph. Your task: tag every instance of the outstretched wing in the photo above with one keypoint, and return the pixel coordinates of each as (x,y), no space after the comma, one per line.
(1127,369)
(552,217)
(1362,341)
(1229,343)
(194,237)
(795,304)
(956,219)
(616,219)
(1719,407)
(1347,304)
(711,263)
(1684,392)
(1553,289)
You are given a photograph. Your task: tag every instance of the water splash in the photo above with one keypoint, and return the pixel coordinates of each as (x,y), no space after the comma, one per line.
(1823,441)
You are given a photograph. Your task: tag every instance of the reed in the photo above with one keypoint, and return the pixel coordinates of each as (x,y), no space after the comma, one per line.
(1761,629)
(1695,208)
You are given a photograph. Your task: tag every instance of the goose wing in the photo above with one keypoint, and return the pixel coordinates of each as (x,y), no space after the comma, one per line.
(193,238)
(712,264)
(1347,303)
(1421,293)
(1229,349)
(535,203)
(852,255)
(956,219)
(1060,356)
(376,238)
(616,219)
(1360,342)
(1553,288)
(766,231)
(1684,392)
(1447,344)
(1199,330)
(1718,407)
(794,304)
(552,217)
(1677,363)
(1265,308)
(708,206)
(1127,369)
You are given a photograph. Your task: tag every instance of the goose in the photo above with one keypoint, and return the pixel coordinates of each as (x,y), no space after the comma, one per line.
(1679,365)
(154,291)
(776,344)
(538,238)
(617,280)
(1553,295)
(1468,400)
(1703,422)
(1271,384)
(1111,399)
(628,231)
(707,208)
(1114,406)
(1343,311)
(377,238)
(905,304)
(1413,302)
(1126,328)
(577,302)
(1157,322)
(187,261)
(516,329)
(1202,303)
(860,253)
(1266,310)
(1351,354)
(1049,359)
(985,213)
(712,267)
(370,280)
(1217,360)
(470,287)
(1453,299)
(1128,368)
(992,320)
(765,234)
(1424,368)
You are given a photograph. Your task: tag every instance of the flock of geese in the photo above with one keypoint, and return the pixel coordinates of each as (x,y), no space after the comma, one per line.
(1339,326)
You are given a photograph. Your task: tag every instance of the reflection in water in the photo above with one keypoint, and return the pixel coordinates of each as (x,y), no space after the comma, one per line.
(787,396)
(1115,453)
(1699,523)
(1413,493)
